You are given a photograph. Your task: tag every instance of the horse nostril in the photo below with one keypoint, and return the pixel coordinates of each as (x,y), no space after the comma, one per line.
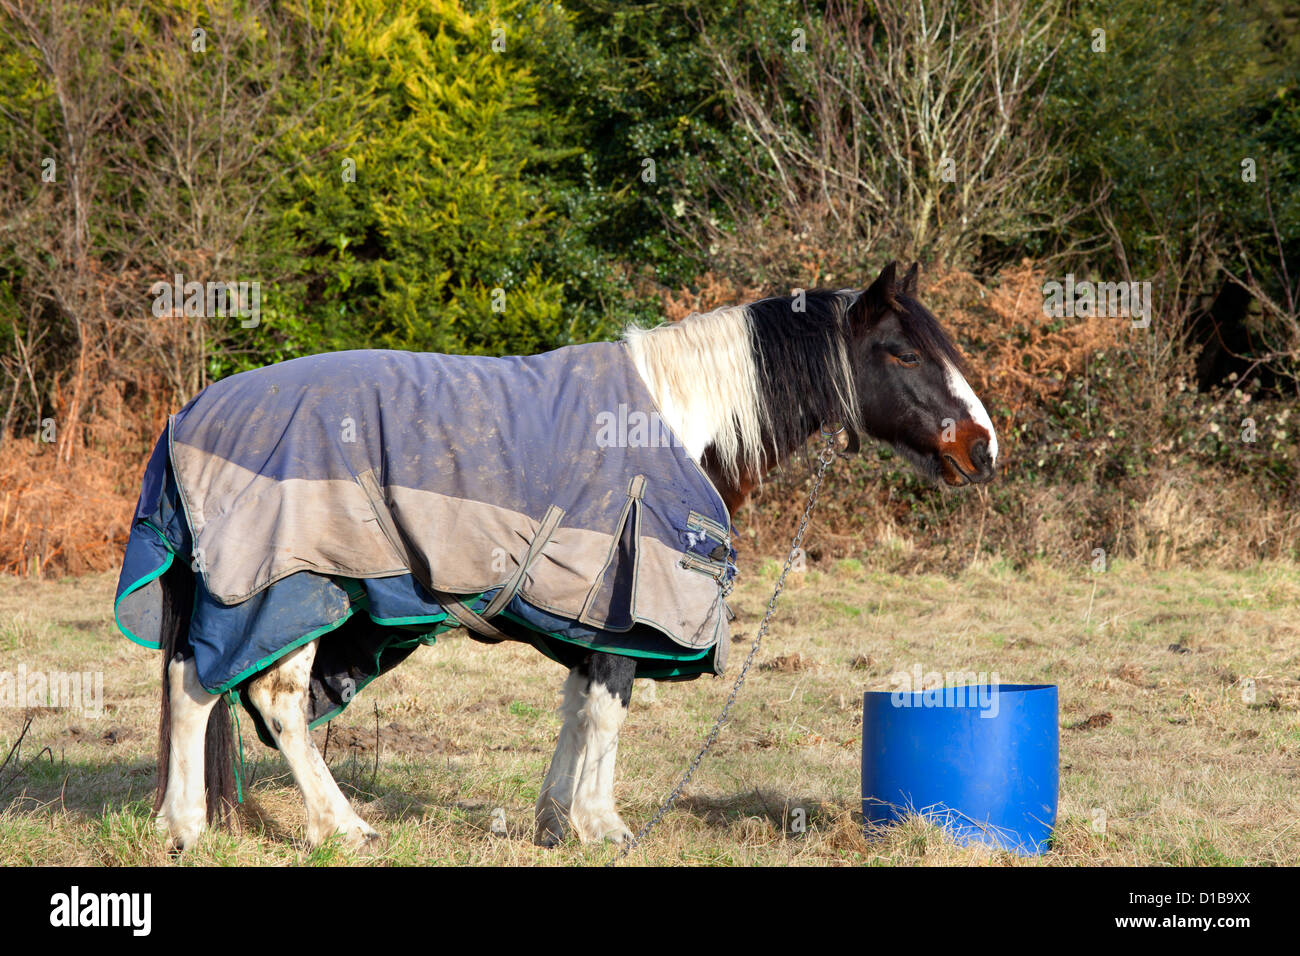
(979,454)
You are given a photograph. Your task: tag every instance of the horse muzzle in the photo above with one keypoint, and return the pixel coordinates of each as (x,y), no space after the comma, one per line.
(965,464)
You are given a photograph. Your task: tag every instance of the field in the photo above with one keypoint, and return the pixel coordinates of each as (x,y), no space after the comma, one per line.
(1180,729)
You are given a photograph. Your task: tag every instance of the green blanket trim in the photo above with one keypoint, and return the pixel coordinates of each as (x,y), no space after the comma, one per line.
(270,659)
(137,585)
(650,664)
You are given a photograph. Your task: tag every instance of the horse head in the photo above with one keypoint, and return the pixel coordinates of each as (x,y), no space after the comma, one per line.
(911,391)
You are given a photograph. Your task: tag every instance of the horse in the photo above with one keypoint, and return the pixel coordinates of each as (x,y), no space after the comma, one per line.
(738,391)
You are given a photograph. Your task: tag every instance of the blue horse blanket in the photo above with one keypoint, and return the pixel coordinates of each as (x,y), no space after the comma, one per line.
(531,498)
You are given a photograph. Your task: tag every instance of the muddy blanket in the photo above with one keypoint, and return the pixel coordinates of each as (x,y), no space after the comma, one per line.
(511,496)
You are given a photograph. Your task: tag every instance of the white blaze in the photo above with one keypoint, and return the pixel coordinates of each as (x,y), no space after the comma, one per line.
(961,389)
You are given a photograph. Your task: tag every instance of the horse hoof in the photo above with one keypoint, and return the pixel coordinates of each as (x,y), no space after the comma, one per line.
(548,837)
(552,824)
(621,837)
(608,826)
(179,837)
(363,840)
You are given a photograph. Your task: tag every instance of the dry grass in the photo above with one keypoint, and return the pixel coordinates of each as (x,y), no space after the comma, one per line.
(1187,770)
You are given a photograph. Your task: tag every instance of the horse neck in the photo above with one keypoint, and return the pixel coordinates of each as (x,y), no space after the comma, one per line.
(703,375)
(735,488)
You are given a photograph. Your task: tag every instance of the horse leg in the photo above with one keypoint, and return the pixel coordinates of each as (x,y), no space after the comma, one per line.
(183,813)
(554,801)
(280,696)
(609,690)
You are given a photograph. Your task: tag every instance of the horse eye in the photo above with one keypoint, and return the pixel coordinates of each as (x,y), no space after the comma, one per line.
(909,358)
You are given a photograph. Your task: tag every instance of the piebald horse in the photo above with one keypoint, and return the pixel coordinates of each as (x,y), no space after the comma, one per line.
(743,388)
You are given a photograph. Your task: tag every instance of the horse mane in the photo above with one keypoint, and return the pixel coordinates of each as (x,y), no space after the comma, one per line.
(726,410)
(779,371)
(802,344)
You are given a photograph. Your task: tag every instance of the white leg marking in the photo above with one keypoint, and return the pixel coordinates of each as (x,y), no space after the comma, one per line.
(184,813)
(556,798)
(280,696)
(593,814)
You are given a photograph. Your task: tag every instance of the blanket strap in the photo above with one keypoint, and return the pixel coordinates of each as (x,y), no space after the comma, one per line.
(550,521)
(467,617)
(232,701)
(480,623)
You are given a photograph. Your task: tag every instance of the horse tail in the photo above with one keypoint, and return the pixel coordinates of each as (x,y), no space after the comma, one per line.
(219,766)
(219,741)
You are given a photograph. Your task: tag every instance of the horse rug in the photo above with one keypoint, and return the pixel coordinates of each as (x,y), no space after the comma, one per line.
(375,499)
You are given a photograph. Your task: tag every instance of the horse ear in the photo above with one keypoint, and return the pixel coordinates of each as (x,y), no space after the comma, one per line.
(879,297)
(908,285)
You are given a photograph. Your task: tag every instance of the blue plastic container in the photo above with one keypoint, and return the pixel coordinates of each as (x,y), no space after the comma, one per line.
(981,761)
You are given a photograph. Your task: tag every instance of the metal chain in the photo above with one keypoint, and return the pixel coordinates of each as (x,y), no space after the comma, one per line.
(824,458)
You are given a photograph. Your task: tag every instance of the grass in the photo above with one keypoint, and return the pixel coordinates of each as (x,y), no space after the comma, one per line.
(1199,763)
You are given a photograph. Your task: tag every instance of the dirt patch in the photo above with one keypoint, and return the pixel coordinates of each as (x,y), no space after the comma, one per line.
(788,664)
(1131,674)
(1095,722)
(495,703)
(109,737)
(395,738)
(116,735)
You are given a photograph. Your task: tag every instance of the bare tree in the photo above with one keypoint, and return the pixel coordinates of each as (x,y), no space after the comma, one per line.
(49,203)
(201,152)
(1280,306)
(146,147)
(911,122)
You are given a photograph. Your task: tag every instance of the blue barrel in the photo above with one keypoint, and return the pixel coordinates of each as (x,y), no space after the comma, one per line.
(981,761)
